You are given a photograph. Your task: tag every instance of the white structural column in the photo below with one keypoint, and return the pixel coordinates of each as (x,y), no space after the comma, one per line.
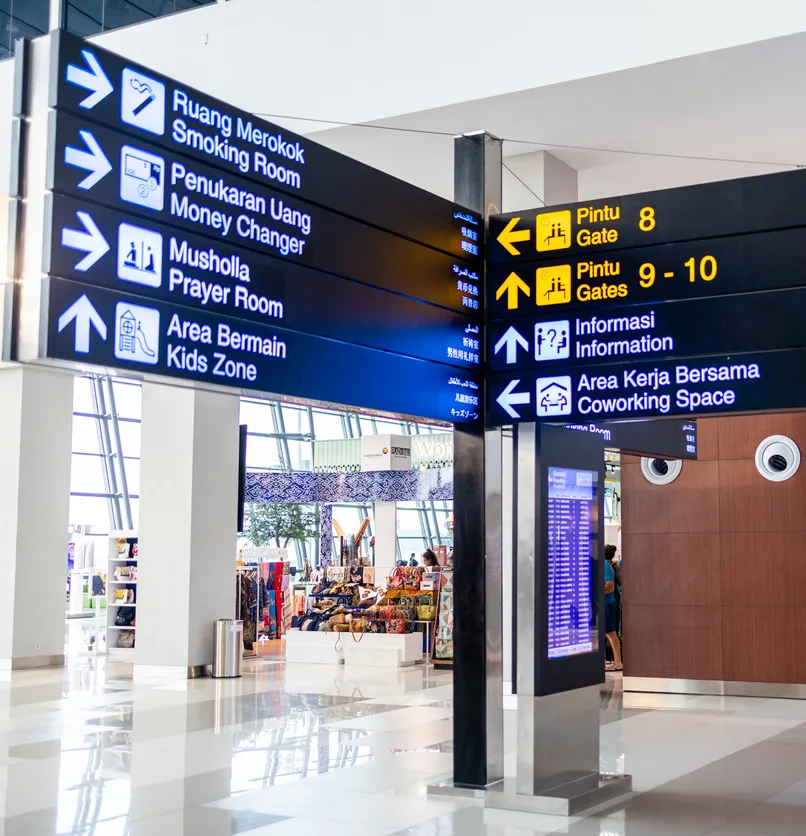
(36,414)
(555,182)
(188,509)
(550,178)
(385,526)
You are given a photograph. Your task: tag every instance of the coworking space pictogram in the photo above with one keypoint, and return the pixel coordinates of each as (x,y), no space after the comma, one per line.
(554,396)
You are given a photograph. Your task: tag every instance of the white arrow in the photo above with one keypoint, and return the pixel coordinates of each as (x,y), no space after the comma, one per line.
(507,398)
(86,317)
(511,339)
(95,80)
(95,161)
(91,242)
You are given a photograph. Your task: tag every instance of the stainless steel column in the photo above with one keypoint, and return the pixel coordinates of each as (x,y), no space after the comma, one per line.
(558,735)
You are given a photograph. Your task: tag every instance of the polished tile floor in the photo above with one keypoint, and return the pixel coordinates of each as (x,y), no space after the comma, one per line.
(313,750)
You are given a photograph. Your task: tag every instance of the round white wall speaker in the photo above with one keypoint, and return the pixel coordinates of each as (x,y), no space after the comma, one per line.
(661,471)
(777,458)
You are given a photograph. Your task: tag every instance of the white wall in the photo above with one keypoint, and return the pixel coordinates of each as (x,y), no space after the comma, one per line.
(358,60)
(6,101)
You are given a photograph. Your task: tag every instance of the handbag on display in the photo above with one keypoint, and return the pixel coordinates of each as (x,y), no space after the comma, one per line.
(397,623)
(396,578)
(414,574)
(126,638)
(426,610)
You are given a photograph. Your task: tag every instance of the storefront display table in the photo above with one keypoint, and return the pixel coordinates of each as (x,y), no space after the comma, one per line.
(314,647)
(383,650)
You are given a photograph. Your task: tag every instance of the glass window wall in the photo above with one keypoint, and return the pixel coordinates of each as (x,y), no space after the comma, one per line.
(106,432)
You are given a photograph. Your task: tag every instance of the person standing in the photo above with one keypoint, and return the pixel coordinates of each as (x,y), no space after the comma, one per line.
(610,616)
(610,557)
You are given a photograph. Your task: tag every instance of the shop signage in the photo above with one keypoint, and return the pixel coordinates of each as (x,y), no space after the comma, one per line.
(730,324)
(385,452)
(187,238)
(133,333)
(106,88)
(710,210)
(690,386)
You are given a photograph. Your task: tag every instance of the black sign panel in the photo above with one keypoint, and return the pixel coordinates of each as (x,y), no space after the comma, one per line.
(668,439)
(729,207)
(716,267)
(107,88)
(93,325)
(104,166)
(729,324)
(103,247)
(768,381)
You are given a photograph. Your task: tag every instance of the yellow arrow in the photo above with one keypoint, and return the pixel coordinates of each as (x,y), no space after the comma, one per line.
(510,236)
(511,285)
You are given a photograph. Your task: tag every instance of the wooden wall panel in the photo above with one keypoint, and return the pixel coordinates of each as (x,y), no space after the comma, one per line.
(673,642)
(764,569)
(660,569)
(739,436)
(764,644)
(690,503)
(749,502)
(715,564)
(707,439)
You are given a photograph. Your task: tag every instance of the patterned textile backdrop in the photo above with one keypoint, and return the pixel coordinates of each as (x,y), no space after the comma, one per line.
(326,535)
(377,486)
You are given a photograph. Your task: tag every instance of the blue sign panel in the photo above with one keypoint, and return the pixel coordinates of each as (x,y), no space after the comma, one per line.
(696,387)
(93,325)
(739,323)
(107,248)
(189,239)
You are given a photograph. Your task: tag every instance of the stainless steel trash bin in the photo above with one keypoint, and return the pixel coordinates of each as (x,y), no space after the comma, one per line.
(227,648)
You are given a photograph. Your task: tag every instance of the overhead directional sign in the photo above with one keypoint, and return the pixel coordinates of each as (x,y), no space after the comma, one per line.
(690,270)
(665,438)
(700,386)
(730,207)
(106,88)
(186,238)
(649,305)
(114,330)
(731,324)
(171,265)
(163,188)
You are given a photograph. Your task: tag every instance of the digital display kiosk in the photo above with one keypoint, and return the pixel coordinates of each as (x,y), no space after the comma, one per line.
(571,567)
(560,564)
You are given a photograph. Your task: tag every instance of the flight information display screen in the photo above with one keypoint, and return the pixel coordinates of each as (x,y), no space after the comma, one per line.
(571,568)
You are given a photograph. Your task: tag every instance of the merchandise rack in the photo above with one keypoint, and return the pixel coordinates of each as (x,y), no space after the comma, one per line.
(113,631)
